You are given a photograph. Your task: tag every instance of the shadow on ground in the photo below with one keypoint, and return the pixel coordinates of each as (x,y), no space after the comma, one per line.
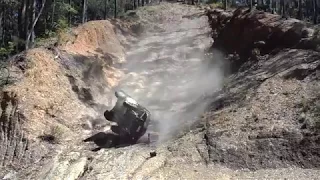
(106,140)
(110,140)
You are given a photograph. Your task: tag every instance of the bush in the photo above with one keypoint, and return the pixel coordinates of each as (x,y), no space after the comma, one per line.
(6,51)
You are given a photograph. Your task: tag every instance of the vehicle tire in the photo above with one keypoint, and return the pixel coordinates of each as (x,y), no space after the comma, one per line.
(115,129)
(108,115)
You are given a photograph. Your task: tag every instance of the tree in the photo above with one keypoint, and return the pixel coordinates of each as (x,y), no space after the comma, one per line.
(315,12)
(22,23)
(84,10)
(33,23)
(115,8)
(1,19)
(33,17)
(300,9)
(53,11)
(282,7)
(106,9)
(69,13)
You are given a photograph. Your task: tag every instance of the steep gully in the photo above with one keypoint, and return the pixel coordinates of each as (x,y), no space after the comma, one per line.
(169,72)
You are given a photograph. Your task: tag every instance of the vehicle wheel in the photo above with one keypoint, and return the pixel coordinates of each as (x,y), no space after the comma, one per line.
(108,115)
(115,129)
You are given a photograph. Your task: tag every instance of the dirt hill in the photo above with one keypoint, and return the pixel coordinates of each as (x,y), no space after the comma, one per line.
(267,115)
(54,91)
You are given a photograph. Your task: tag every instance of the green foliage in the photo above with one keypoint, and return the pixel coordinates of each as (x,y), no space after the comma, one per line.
(62,11)
(216,5)
(57,16)
(213,2)
(62,24)
(64,8)
(96,9)
(6,51)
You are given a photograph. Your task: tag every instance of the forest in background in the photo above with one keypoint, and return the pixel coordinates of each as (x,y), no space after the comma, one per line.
(24,22)
(306,10)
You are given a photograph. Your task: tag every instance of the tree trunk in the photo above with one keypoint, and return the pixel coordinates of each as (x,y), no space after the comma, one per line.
(270,6)
(34,24)
(46,21)
(1,18)
(69,15)
(3,33)
(105,9)
(251,4)
(33,17)
(115,8)
(84,10)
(300,10)
(134,4)
(308,7)
(53,12)
(315,12)
(142,2)
(225,4)
(282,8)
(26,22)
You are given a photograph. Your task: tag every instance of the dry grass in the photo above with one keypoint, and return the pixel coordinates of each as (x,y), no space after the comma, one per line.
(45,93)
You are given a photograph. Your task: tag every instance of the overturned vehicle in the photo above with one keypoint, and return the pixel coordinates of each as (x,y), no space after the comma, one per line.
(132,120)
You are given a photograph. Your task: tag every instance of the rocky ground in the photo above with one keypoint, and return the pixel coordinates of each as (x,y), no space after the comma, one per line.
(268,114)
(262,120)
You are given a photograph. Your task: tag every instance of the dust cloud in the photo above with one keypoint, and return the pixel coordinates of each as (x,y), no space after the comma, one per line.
(175,84)
(170,73)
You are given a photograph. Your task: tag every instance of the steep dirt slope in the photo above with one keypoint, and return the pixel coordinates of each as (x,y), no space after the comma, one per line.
(267,115)
(55,91)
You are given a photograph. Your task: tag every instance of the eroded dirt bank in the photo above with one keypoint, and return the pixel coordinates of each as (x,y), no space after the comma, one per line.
(267,115)
(54,92)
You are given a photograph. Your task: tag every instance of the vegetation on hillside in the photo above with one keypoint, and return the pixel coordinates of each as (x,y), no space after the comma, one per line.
(307,10)
(24,22)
